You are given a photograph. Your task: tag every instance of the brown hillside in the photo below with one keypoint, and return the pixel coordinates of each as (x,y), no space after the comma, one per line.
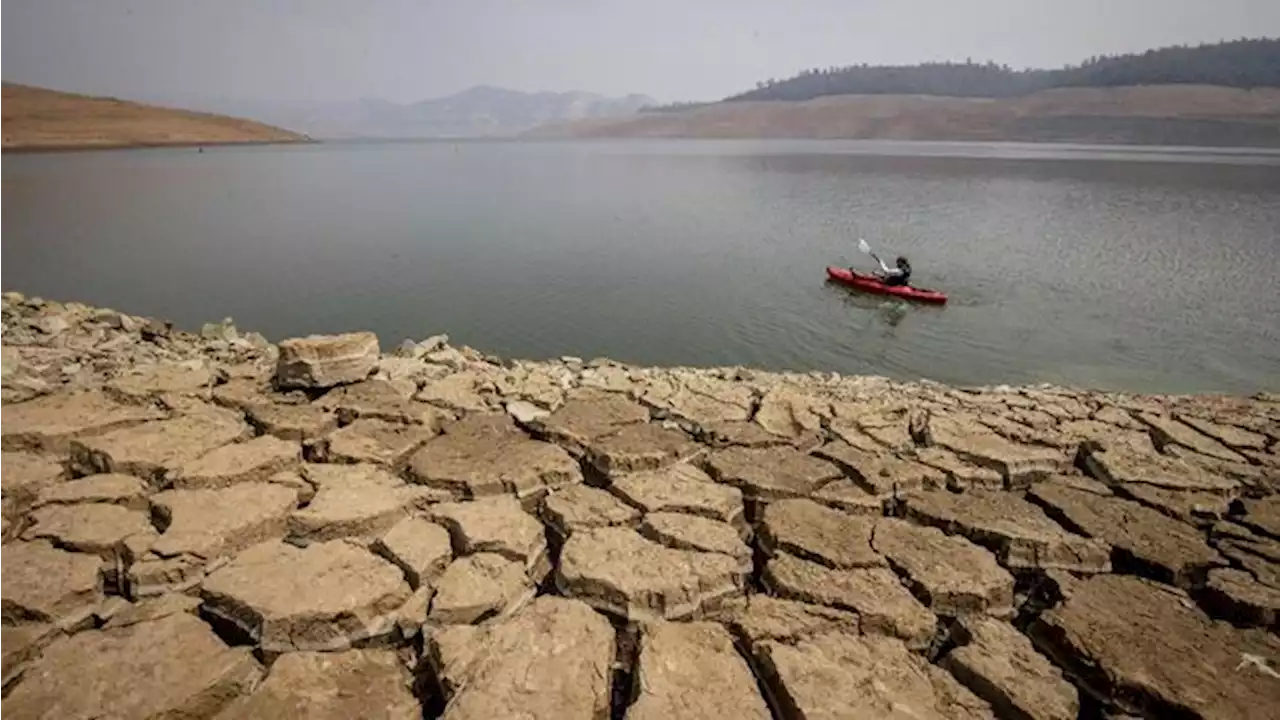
(1175,114)
(39,119)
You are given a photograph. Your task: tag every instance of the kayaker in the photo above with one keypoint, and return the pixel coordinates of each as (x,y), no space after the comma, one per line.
(898,275)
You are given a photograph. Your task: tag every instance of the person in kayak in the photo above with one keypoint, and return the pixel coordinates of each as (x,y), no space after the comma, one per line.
(900,274)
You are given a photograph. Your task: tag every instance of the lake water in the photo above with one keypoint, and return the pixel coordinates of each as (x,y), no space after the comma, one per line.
(1137,268)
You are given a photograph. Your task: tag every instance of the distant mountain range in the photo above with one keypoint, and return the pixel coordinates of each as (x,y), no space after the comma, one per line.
(481,111)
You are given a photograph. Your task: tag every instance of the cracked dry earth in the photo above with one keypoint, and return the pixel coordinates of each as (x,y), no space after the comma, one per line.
(207,525)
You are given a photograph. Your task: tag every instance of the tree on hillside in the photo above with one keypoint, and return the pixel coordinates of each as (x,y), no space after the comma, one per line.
(1239,63)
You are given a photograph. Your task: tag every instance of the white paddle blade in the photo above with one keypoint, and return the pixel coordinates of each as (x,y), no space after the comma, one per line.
(863,247)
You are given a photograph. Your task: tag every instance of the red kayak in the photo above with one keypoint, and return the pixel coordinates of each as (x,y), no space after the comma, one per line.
(873,284)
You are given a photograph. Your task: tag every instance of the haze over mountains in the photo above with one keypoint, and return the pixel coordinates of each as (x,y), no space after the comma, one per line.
(481,111)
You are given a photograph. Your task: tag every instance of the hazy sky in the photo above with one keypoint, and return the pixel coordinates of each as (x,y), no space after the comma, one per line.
(407,50)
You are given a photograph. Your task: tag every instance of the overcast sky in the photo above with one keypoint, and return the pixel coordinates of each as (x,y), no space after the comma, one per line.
(406,50)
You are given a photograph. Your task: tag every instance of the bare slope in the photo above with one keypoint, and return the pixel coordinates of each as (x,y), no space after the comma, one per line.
(40,119)
(1175,114)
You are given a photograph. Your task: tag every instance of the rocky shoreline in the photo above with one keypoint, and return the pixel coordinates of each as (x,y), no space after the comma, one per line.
(209,525)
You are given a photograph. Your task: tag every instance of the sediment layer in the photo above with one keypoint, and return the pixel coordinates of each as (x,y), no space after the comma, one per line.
(209,525)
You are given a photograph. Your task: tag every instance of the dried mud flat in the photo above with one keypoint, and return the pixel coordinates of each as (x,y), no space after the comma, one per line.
(206,525)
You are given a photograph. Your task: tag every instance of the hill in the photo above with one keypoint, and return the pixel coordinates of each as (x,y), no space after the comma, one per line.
(481,111)
(39,119)
(1238,64)
(1162,115)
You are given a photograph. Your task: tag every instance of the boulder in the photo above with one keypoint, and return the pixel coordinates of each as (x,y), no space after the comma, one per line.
(352,500)
(640,447)
(618,571)
(485,454)
(331,686)
(153,449)
(496,525)
(376,399)
(681,488)
(839,675)
(557,652)
(50,422)
(322,361)
(768,474)
(999,665)
(582,506)
(1146,650)
(1018,532)
(125,490)
(250,461)
(45,584)
(1236,596)
(478,587)
(172,667)
(326,596)
(587,415)
(373,441)
(955,576)
(875,594)
(418,547)
(692,671)
(97,528)
(301,423)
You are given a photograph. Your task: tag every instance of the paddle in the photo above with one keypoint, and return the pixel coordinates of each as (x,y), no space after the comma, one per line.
(865,249)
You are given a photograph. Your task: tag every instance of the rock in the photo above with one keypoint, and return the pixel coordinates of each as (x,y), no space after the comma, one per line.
(459,392)
(788,413)
(581,506)
(142,382)
(880,473)
(1144,540)
(692,670)
(848,497)
(1018,532)
(820,534)
(480,586)
(26,474)
(49,423)
(173,667)
(154,330)
(300,423)
(22,644)
(768,474)
(1018,464)
(352,500)
(44,584)
(1124,465)
(152,449)
(224,331)
(1000,666)
(1150,652)
(587,415)
(125,490)
(496,525)
(374,441)
(381,400)
(525,413)
(681,488)
(161,606)
(690,532)
(326,596)
(882,603)
(838,675)
(201,526)
(97,528)
(52,325)
(762,617)
(250,461)
(1263,515)
(1235,595)
(1230,435)
(334,686)
(960,474)
(557,652)
(956,576)
(485,454)
(321,361)
(1167,431)
(640,447)
(420,548)
(745,433)
(1197,508)
(619,571)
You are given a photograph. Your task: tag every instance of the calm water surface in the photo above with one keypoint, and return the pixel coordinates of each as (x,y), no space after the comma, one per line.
(1134,269)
